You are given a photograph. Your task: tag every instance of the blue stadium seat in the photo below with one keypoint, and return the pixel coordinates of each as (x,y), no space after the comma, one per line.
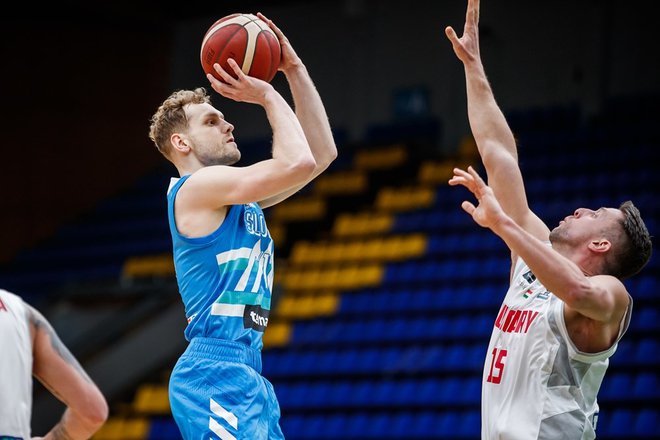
(403,426)
(469,426)
(292,427)
(647,352)
(646,386)
(335,427)
(647,424)
(645,319)
(163,429)
(616,387)
(357,426)
(618,424)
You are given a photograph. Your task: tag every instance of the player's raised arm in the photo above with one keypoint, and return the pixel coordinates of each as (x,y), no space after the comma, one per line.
(492,134)
(291,164)
(308,107)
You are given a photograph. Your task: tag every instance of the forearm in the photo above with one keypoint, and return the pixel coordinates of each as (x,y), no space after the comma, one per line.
(72,427)
(487,122)
(289,143)
(557,273)
(312,115)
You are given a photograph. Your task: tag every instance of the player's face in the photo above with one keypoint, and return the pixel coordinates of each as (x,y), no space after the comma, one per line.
(584,224)
(211,135)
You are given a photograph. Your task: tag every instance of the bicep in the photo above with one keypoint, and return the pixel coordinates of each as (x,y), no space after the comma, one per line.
(56,367)
(506,180)
(217,186)
(274,200)
(603,300)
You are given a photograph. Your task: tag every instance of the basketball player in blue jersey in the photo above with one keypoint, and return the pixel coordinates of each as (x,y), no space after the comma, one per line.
(566,308)
(223,252)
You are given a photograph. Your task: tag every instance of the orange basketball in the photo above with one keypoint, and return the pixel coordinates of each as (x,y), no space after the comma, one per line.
(245,38)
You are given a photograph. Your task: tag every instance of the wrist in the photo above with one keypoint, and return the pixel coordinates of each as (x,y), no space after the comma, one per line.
(294,68)
(502,224)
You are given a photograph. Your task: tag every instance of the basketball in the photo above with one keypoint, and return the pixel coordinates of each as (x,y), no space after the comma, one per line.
(245,38)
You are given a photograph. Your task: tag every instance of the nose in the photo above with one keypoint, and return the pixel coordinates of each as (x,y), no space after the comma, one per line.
(227,127)
(580,211)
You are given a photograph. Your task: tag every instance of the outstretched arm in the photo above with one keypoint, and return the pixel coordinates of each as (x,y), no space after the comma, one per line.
(213,187)
(59,371)
(310,111)
(601,298)
(492,134)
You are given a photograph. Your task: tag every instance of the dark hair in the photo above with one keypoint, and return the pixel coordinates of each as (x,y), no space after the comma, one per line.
(635,246)
(171,116)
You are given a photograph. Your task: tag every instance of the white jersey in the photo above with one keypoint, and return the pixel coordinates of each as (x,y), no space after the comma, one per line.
(536,384)
(15,367)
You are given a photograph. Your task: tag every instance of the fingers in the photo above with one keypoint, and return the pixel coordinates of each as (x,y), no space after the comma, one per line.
(473,11)
(269,22)
(224,75)
(462,173)
(236,68)
(468,207)
(477,178)
(451,34)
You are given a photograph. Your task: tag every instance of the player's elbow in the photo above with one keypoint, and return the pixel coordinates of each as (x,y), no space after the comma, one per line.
(304,166)
(95,412)
(323,161)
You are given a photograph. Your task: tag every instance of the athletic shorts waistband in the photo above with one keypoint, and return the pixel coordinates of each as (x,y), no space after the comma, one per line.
(223,350)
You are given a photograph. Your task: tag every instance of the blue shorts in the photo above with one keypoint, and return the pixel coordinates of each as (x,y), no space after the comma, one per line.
(217,391)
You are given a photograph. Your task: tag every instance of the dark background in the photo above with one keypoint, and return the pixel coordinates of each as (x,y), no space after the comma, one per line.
(82,79)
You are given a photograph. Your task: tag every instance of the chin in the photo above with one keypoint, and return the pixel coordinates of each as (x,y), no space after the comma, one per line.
(235,158)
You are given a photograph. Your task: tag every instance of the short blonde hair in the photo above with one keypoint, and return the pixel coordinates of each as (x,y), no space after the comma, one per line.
(171,116)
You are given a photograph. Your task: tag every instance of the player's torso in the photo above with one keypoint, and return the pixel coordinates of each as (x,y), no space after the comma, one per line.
(536,384)
(15,368)
(225,279)
(520,357)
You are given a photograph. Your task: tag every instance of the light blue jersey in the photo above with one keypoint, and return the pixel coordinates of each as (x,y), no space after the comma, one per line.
(225,280)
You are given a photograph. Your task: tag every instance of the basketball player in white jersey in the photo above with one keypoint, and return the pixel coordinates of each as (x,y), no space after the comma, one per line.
(566,307)
(30,347)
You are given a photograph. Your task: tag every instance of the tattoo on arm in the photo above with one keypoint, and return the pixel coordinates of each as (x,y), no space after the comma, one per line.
(59,433)
(41,324)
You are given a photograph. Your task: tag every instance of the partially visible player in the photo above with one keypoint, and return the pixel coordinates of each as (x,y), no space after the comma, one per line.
(223,251)
(566,308)
(31,348)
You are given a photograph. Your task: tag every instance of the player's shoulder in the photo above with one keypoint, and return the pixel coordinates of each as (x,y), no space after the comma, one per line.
(10,296)
(613,288)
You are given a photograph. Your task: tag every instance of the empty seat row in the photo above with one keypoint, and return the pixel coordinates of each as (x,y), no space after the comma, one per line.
(413,328)
(625,386)
(637,352)
(343,395)
(423,424)
(390,248)
(360,361)
(627,424)
(404,299)
(476,269)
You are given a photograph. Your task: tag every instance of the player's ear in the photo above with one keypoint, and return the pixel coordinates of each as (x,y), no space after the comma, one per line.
(180,143)
(600,245)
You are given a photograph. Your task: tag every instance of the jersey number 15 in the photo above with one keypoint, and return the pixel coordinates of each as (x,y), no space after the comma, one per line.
(496,366)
